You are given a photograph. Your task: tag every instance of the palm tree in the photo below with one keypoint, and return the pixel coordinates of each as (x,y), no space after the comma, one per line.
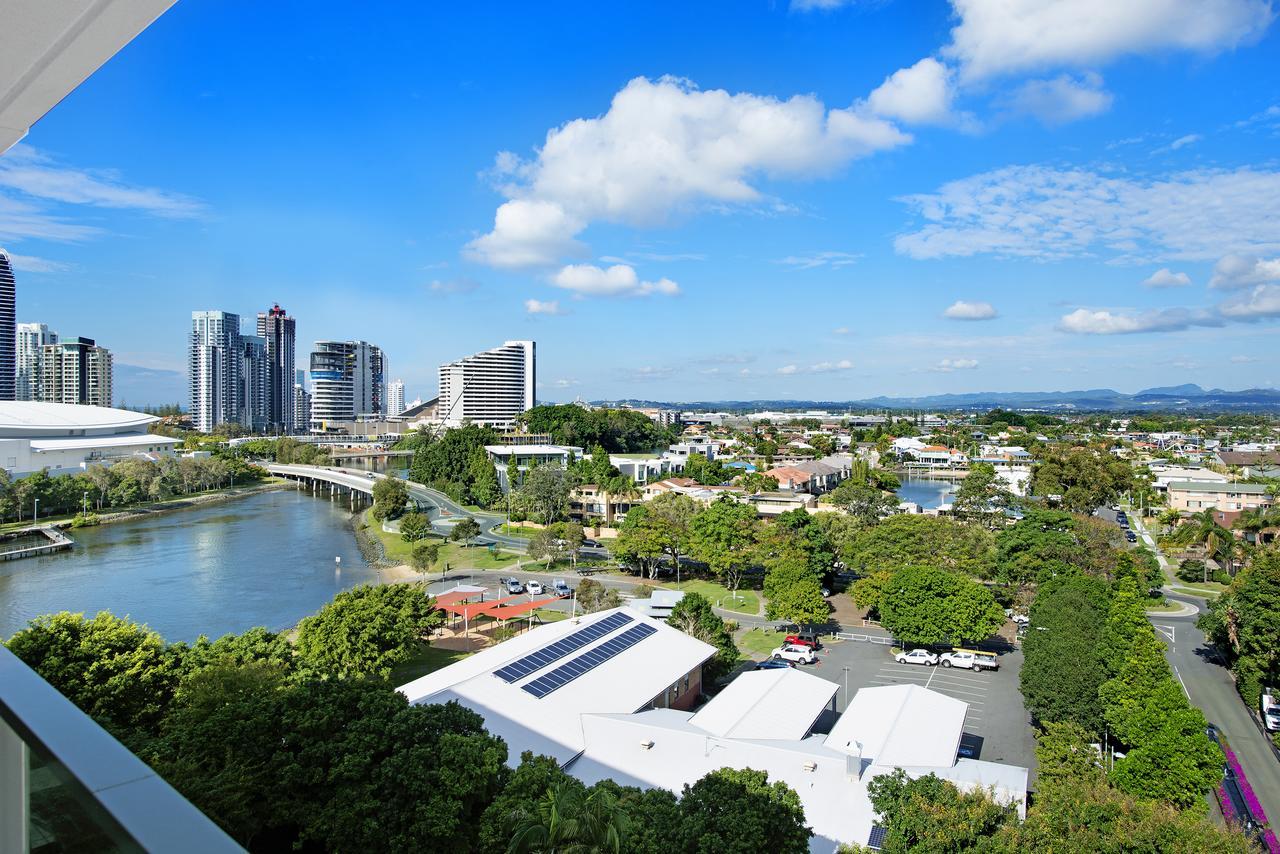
(1256,521)
(569,821)
(1202,529)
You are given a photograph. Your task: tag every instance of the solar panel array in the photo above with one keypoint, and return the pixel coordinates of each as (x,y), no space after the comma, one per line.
(552,653)
(566,673)
(876,842)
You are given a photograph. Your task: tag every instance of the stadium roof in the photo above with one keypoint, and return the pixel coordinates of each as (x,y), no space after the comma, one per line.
(26,419)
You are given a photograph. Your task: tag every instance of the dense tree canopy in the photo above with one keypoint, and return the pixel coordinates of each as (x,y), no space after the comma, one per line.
(1084,478)
(740,811)
(1245,623)
(927,605)
(723,536)
(618,431)
(694,616)
(1062,664)
(367,629)
(921,540)
(450,463)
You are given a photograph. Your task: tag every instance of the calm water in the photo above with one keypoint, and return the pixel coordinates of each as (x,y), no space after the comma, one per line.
(261,560)
(928,492)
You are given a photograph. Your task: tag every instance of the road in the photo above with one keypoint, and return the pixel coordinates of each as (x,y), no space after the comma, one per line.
(1210,688)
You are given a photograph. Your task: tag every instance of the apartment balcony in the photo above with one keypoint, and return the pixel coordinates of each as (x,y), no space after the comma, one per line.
(67,785)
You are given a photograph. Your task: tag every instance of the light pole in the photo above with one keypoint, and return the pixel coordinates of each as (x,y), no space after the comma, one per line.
(85,504)
(35,511)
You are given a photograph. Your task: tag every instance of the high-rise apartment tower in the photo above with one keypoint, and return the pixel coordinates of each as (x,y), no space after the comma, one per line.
(395,397)
(8,320)
(491,388)
(214,365)
(76,370)
(348,382)
(279,331)
(31,339)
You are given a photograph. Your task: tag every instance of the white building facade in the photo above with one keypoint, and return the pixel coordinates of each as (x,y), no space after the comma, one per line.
(68,438)
(348,382)
(395,397)
(76,370)
(213,369)
(492,388)
(31,338)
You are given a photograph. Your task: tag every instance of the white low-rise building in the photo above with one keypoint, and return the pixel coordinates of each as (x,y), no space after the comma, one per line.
(611,696)
(67,438)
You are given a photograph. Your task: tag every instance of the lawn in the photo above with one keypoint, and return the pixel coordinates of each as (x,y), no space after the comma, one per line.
(759,642)
(515,530)
(1161,605)
(747,601)
(455,554)
(426,660)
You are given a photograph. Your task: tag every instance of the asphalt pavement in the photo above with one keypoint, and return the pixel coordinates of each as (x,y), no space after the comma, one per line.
(1208,684)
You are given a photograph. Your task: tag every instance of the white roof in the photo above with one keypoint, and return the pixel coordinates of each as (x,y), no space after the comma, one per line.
(552,724)
(537,450)
(773,704)
(904,725)
(28,419)
(127,440)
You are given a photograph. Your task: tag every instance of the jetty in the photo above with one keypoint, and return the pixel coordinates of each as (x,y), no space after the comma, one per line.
(34,541)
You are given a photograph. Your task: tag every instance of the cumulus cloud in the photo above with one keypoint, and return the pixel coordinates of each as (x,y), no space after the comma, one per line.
(996,37)
(946,366)
(1048,214)
(787,370)
(1060,100)
(586,280)
(961,310)
(1085,321)
(1242,271)
(565,383)
(817,368)
(1260,301)
(665,147)
(819,259)
(919,94)
(534,306)
(1166,278)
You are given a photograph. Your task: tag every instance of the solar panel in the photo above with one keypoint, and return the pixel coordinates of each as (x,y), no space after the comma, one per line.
(876,840)
(589,660)
(552,653)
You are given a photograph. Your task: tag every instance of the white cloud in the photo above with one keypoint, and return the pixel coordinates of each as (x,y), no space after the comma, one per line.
(819,5)
(1048,214)
(817,368)
(1166,278)
(840,330)
(946,366)
(919,94)
(37,175)
(1184,141)
(649,372)
(616,281)
(1242,360)
(1241,271)
(1060,100)
(33,264)
(1084,321)
(1003,36)
(665,147)
(462,285)
(534,306)
(1259,302)
(819,259)
(961,310)
(565,383)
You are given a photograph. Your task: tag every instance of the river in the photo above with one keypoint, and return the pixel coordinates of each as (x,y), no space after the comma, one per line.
(930,493)
(262,560)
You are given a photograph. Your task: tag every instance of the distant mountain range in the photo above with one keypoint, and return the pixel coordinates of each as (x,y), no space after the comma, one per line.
(1184,397)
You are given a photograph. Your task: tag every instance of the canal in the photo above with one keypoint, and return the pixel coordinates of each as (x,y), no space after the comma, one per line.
(261,560)
(930,493)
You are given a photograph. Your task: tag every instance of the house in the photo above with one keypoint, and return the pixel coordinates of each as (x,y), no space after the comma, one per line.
(702,493)
(590,502)
(1165,474)
(812,476)
(772,503)
(1194,497)
(1252,463)
(939,456)
(527,456)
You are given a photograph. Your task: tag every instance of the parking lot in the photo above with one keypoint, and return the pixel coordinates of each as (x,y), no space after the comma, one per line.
(996,726)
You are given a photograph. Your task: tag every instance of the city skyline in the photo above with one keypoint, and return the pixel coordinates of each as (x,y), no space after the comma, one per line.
(902,233)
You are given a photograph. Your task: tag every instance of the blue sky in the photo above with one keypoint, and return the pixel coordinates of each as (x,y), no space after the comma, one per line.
(684,201)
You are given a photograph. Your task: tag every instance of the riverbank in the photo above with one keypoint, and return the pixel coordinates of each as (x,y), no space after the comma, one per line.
(155,508)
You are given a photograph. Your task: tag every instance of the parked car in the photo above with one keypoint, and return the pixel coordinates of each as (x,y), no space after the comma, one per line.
(968,659)
(916,656)
(514,585)
(1021,619)
(1270,710)
(773,664)
(804,638)
(795,652)
(534,588)
(561,589)
(590,544)
(1131,536)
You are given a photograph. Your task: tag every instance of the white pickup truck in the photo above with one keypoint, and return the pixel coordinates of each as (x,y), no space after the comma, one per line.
(1270,710)
(969,660)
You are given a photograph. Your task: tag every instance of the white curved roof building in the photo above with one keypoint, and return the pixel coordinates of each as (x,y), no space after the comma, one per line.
(67,438)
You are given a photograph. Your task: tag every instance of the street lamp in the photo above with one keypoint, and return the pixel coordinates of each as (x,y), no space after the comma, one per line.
(35,510)
(85,504)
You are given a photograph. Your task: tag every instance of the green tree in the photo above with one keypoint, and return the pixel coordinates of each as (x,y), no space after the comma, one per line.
(754,482)
(1062,666)
(367,629)
(1125,621)
(390,497)
(1143,693)
(928,814)
(567,818)
(915,539)
(1245,624)
(424,555)
(864,502)
(593,596)
(792,590)
(545,545)
(694,616)
(640,542)
(723,536)
(983,497)
(544,495)
(465,530)
(1177,763)
(415,526)
(926,605)
(739,811)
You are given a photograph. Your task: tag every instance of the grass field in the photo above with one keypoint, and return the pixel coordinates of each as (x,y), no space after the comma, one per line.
(759,642)
(426,660)
(455,555)
(747,601)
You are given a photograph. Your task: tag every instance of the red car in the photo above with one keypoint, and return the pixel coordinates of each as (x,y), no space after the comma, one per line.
(801,640)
